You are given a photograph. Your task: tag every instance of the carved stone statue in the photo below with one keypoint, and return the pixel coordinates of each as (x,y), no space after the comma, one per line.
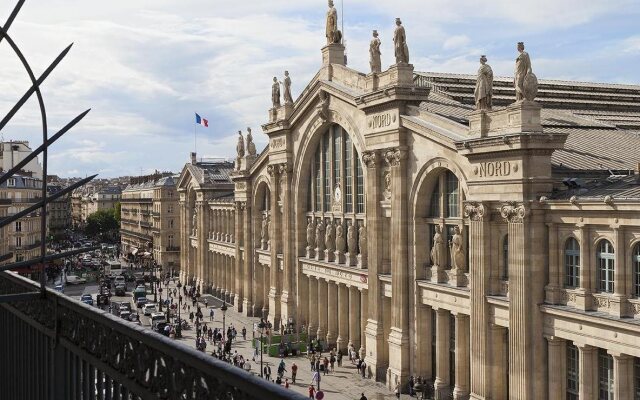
(374,53)
(311,230)
(251,147)
(275,93)
(457,250)
(329,239)
(320,236)
(264,233)
(240,145)
(340,242)
(351,238)
(436,249)
(484,85)
(362,235)
(194,222)
(288,99)
(332,33)
(400,44)
(323,108)
(524,80)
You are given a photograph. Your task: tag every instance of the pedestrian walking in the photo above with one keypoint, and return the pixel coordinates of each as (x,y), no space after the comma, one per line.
(325,364)
(294,372)
(397,391)
(363,397)
(211,315)
(316,378)
(339,358)
(363,368)
(267,372)
(411,385)
(332,361)
(312,392)
(244,333)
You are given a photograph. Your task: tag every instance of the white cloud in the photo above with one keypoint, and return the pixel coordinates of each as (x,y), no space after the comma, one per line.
(456,42)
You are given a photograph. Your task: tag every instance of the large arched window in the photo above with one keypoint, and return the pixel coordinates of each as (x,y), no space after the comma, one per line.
(572,263)
(635,261)
(337,181)
(444,209)
(606,266)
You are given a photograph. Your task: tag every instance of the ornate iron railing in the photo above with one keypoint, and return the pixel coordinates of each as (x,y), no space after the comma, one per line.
(54,347)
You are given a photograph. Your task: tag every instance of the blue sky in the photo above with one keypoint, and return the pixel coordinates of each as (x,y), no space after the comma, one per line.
(144,67)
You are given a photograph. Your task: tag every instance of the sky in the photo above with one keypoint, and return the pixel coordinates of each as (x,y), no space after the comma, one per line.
(145,67)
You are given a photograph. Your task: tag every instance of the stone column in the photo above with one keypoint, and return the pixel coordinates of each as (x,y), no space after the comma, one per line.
(555,270)
(479,273)
(364,313)
(423,340)
(498,372)
(322,309)
(343,318)
(184,241)
(374,331)
(461,389)
(266,275)
(203,228)
(399,336)
(441,384)
(332,318)
(354,316)
(274,237)
(257,291)
(557,349)
(288,242)
(583,294)
(621,276)
(588,370)
(313,306)
(623,385)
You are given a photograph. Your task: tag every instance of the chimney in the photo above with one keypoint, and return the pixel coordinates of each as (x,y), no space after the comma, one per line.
(193,158)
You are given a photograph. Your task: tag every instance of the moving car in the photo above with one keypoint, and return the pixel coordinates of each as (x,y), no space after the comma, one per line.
(59,288)
(125,315)
(141,301)
(121,290)
(75,280)
(87,299)
(149,309)
(120,280)
(157,318)
(160,328)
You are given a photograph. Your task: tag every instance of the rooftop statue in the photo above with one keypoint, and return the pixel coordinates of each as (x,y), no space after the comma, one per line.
(484,85)
(524,80)
(288,99)
(332,33)
(251,147)
(374,53)
(400,44)
(240,145)
(275,93)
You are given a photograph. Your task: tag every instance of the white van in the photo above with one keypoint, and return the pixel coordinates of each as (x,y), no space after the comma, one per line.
(156,318)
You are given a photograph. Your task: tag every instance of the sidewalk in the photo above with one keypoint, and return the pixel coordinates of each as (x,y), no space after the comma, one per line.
(342,384)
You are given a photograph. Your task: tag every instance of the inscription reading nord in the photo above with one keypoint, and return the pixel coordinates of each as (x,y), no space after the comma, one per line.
(381,121)
(494,168)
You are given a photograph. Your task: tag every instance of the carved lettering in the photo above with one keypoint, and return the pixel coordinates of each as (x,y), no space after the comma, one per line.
(277,143)
(381,121)
(494,168)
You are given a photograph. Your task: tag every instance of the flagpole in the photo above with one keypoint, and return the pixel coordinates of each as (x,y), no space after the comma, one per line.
(195,141)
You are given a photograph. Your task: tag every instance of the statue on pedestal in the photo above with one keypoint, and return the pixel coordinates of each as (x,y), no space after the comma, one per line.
(320,236)
(524,80)
(457,251)
(329,240)
(251,147)
(288,99)
(240,145)
(436,248)
(362,235)
(332,33)
(275,93)
(374,53)
(323,108)
(351,238)
(484,85)
(311,230)
(400,44)
(194,222)
(340,243)
(264,233)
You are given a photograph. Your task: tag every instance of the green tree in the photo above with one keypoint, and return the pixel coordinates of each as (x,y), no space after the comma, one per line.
(118,210)
(102,222)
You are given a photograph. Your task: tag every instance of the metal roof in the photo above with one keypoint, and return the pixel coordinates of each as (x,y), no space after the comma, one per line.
(619,188)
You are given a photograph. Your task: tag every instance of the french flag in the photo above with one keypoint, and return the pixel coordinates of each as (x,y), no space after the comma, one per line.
(202,121)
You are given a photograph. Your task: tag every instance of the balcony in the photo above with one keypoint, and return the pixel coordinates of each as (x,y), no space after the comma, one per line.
(55,347)
(146,200)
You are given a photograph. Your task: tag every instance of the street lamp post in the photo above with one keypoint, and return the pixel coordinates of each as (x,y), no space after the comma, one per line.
(153,289)
(261,327)
(224,332)
(160,291)
(179,328)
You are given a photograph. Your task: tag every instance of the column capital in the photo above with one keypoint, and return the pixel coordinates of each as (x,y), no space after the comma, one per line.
(617,355)
(513,212)
(474,210)
(272,169)
(370,158)
(394,156)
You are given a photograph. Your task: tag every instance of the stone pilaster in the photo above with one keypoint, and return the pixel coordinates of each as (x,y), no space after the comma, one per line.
(423,340)
(201,234)
(245,240)
(557,349)
(184,242)
(313,306)
(441,385)
(343,317)
(332,319)
(288,241)
(322,309)
(275,238)
(552,290)
(354,317)
(623,384)
(461,388)
(266,276)
(479,272)
(498,374)
(583,294)
(588,370)
(364,313)
(399,336)
(621,276)
(238,264)
(374,332)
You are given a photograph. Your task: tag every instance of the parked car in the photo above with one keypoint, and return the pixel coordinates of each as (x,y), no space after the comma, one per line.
(149,309)
(75,280)
(87,299)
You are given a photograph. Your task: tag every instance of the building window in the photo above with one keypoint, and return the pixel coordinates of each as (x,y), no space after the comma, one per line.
(505,258)
(336,165)
(572,263)
(636,271)
(170,209)
(452,197)
(18,241)
(170,240)
(573,372)
(606,266)
(170,224)
(605,375)
(18,226)
(11,182)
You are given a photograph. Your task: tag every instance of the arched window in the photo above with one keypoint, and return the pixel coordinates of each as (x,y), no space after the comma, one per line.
(606,266)
(336,169)
(635,261)
(444,209)
(505,258)
(572,263)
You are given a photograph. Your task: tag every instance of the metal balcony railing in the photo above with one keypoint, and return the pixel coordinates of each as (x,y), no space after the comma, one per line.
(54,347)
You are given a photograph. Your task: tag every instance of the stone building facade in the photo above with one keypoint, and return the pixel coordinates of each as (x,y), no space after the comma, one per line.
(150,220)
(58,214)
(495,253)
(90,199)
